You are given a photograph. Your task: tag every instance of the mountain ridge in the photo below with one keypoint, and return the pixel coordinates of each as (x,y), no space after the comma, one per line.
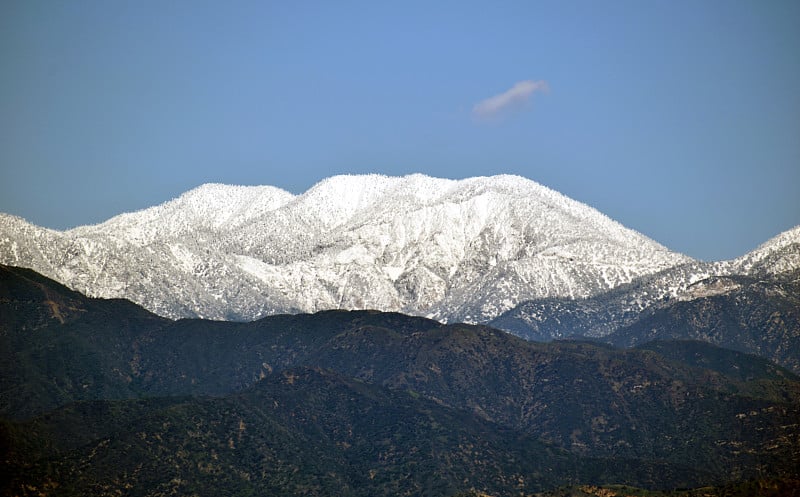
(90,398)
(454,250)
(749,304)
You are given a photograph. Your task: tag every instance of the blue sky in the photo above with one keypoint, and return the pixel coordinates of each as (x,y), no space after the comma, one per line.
(680,119)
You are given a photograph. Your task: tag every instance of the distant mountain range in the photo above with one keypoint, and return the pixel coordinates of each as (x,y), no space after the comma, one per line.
(101,397)
(500,250)
(329,393)
(456,251)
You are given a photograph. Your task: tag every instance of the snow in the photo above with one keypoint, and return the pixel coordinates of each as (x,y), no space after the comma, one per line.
(257,268)
(453,249)
(184,258)
(393,272)
(355,255)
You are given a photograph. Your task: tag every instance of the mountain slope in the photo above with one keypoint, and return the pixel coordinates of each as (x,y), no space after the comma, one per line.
(757,316)
(365,440)
(659,413)
(749,304)
(453,250)
(780,254)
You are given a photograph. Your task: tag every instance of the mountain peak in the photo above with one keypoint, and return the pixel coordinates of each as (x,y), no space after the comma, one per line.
(779,254)
(463,250)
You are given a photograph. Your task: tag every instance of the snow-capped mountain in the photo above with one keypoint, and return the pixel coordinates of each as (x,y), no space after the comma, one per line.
(780,254)
(463,250)
(600,315)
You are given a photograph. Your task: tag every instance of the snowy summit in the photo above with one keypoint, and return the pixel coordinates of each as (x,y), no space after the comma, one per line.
(463,250)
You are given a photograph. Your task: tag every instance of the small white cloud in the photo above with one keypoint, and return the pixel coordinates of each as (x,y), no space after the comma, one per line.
(516,97)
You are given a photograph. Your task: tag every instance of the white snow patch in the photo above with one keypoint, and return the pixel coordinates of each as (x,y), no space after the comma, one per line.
(393,272)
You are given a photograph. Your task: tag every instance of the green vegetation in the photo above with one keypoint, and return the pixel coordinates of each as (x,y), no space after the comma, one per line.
(103,398)
(749,488)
